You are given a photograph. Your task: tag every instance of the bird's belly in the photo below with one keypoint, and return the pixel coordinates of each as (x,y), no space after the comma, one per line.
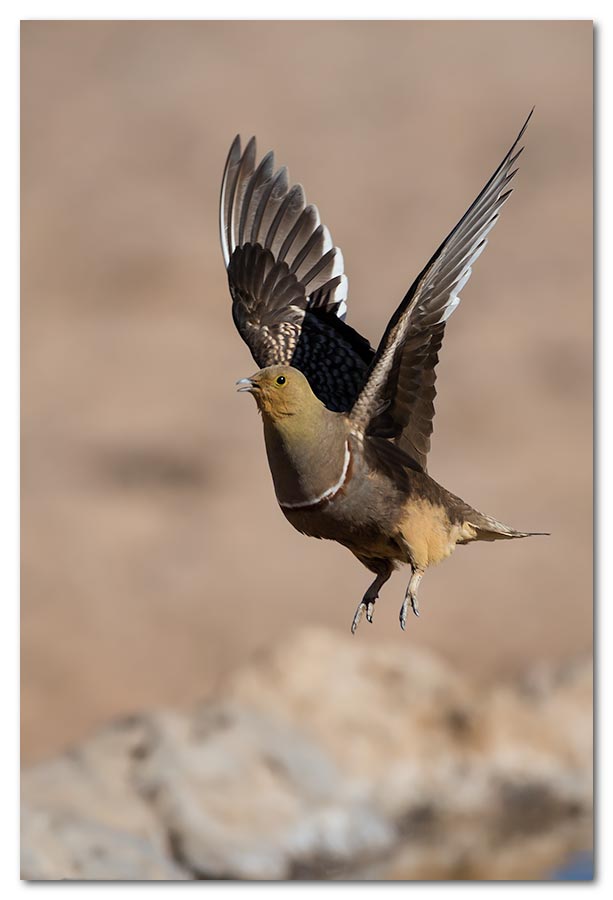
(429,534)
(362,523)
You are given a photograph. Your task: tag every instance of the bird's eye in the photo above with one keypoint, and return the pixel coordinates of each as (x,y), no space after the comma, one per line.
(281,379)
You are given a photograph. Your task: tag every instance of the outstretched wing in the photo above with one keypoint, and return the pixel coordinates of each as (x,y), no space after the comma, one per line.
(397,400)
(286,279)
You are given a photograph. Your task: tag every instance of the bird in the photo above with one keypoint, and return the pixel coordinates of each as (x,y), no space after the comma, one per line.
(347,428)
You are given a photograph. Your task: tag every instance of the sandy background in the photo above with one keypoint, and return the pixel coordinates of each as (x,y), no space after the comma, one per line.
(154,556)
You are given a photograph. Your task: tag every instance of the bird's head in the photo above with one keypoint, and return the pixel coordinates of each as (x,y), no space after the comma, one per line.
(280,391)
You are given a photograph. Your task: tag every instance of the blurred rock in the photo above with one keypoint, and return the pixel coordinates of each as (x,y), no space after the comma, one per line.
(246,795)
(82,818)
(58,847)
(327,758)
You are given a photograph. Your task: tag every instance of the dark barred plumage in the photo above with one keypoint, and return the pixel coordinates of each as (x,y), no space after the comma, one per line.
(286,279)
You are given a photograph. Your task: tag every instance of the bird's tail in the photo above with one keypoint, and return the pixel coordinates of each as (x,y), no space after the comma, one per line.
(490,529)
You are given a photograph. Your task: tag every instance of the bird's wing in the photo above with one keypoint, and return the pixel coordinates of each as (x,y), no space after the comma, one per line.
(397,399)
(286,279)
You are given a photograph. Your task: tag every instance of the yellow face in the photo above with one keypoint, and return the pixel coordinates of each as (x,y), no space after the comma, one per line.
(279,391)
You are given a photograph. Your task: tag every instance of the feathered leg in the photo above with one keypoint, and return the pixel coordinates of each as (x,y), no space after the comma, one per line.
(411,596)
(384,569)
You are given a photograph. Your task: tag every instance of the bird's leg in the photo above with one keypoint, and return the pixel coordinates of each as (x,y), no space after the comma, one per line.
(367,604)
(411,596)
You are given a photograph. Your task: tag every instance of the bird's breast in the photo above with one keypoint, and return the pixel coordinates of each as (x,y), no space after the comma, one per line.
(308,499)
(362,514)
(308,467)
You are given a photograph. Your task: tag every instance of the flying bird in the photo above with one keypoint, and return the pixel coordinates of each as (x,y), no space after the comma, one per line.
(347,428)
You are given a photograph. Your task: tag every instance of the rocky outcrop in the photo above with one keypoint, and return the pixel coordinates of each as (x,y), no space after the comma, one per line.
(327,758)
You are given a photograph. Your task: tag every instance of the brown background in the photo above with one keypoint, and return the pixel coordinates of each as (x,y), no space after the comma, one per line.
(154,557)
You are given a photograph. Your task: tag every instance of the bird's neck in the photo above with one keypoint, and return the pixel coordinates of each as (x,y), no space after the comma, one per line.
(308,455)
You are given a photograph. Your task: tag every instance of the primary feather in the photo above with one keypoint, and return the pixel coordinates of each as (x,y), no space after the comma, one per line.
(397,399)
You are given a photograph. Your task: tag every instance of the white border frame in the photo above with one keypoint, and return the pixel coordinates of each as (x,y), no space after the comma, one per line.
(9,386)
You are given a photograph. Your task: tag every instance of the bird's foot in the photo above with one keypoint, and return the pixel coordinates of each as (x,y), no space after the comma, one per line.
(409,599)
(366,606)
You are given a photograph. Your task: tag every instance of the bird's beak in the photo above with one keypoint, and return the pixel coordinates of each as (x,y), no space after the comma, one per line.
(245,384)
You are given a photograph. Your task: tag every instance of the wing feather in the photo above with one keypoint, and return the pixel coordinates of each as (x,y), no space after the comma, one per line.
(397,399)
(286,278)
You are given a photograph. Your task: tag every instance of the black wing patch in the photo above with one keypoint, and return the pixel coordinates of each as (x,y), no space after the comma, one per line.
(334,358)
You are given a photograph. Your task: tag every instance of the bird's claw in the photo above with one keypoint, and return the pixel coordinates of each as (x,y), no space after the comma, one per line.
(367,607)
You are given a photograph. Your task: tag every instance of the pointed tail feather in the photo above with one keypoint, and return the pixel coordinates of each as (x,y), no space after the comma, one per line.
(490,529)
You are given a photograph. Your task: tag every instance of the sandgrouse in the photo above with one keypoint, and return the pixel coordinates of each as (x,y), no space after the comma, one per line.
(347,428)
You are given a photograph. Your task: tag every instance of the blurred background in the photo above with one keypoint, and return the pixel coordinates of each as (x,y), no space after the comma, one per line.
(155,560)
